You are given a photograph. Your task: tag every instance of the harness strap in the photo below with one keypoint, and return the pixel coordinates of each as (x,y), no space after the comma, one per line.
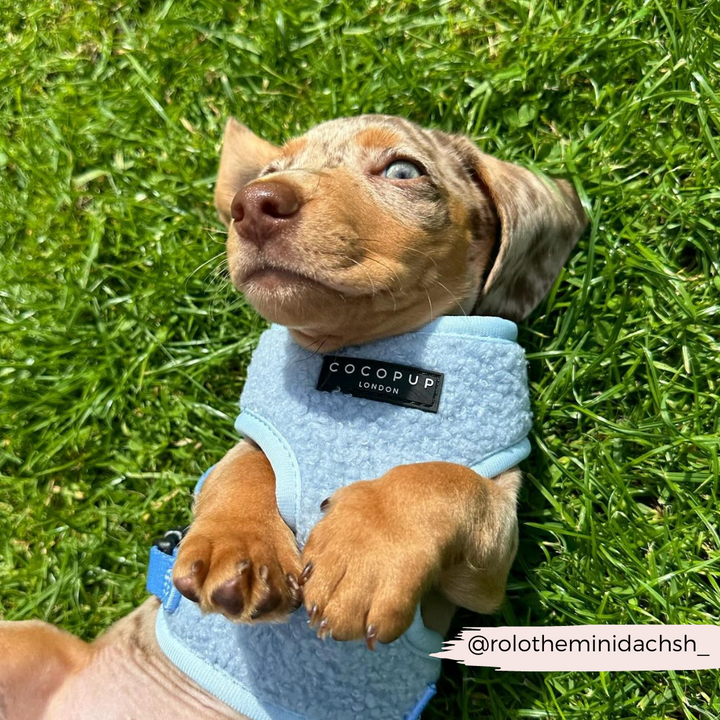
(159,578)
(162,561)
(426,697)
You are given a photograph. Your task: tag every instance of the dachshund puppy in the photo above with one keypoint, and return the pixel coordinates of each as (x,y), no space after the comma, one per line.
(361,230)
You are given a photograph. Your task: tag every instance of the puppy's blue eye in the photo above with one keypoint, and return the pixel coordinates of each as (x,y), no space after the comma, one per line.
(402,170)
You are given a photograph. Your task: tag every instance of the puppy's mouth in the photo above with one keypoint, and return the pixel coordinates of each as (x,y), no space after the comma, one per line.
(274,279)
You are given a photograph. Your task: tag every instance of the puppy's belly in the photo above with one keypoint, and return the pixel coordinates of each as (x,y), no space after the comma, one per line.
(97,699)
(129,678)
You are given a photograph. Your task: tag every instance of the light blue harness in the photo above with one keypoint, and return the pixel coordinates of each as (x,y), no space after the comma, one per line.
(317,442)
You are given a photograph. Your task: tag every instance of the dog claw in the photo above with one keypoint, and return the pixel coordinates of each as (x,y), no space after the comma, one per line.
(324,504)
(314,612)
(296,593)
(292,583)
(305,574)
(371,637)
(323,629)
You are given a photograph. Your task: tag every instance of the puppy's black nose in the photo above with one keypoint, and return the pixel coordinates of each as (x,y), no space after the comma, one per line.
(261,210)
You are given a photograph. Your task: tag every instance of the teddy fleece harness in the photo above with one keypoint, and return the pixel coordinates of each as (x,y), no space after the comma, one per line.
(455,390)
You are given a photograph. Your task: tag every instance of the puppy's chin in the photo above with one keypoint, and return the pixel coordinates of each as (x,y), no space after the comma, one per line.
(288,298)
(278,282)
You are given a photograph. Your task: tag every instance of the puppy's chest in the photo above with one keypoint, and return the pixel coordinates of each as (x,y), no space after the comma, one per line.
(325,422)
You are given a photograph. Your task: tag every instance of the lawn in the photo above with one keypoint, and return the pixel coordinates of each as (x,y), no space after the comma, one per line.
(123,347)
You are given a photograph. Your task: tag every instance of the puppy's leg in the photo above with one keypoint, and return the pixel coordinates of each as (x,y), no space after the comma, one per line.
(131,678)
(487,548)
(35,660)
(239,556)
(383,544)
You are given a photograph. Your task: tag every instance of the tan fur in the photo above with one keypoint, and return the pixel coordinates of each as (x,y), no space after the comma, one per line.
(123,675)
(384,543)
(237,524)
(363,257)
(50,654)
(388,257)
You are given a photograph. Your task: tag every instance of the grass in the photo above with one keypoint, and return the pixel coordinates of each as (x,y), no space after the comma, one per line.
(122,349)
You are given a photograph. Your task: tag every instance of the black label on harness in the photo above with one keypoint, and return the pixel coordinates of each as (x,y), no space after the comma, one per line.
(382,381)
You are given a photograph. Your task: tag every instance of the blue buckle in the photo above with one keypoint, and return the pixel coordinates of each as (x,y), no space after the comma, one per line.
(162,560)
(160,568)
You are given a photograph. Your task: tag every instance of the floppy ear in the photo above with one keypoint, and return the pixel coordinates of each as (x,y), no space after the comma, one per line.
(243,156)
(540,223)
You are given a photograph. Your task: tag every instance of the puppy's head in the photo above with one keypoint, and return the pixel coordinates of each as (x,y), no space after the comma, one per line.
(371,226)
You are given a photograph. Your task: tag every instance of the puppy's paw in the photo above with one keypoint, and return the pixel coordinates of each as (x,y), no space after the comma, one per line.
(366,565)
(248,573)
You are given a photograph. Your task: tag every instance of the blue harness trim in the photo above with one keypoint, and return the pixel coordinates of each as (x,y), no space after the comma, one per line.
(159,578)
(484,420)
(201,481)
(282,459)
(220,684)
(427,696)
(160,568)
(159,583)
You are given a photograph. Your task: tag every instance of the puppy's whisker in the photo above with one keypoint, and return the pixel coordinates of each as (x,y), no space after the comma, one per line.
(220,268)
(395,275)
(346,257)
(207,262)
(420,252)
(362,267)
(320,345)
(457,302)
(432,312)
(385,265)
(408,248)
(221,273)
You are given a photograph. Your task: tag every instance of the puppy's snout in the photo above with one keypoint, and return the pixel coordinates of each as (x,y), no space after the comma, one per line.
(261,210)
